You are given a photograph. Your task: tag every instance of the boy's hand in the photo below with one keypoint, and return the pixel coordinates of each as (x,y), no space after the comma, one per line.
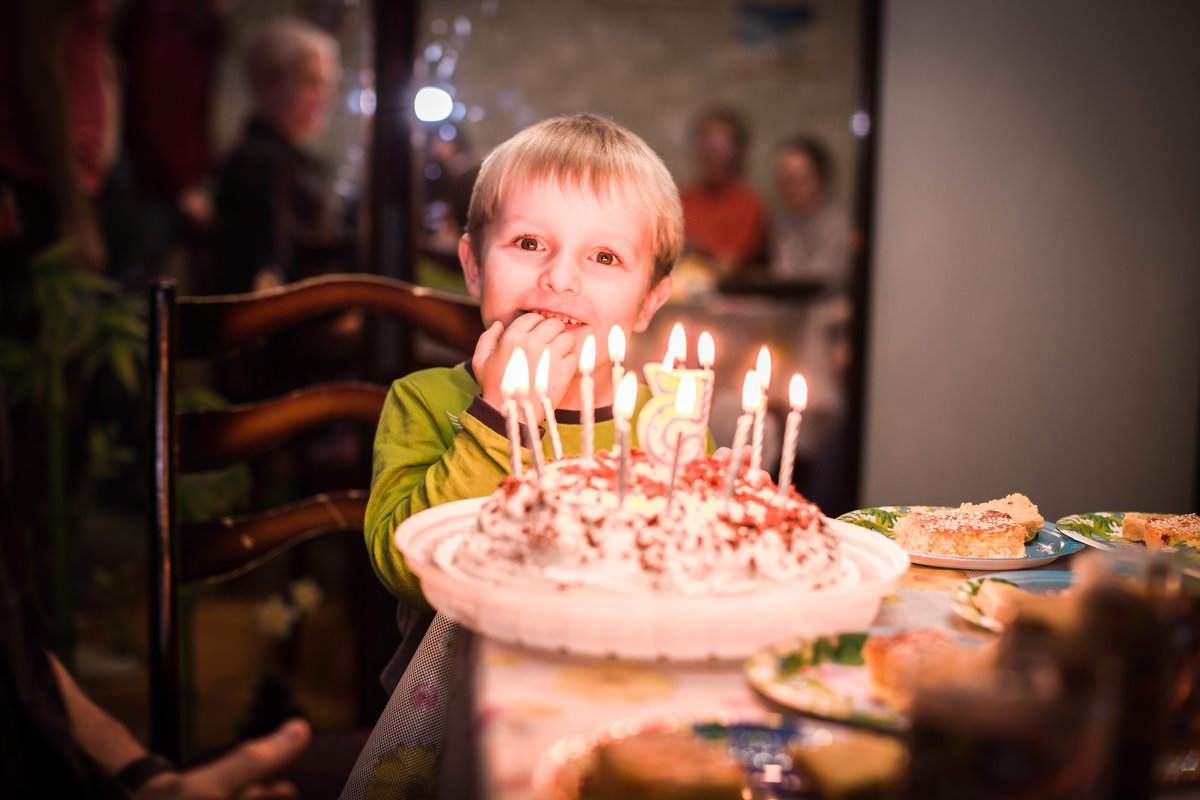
(533,333)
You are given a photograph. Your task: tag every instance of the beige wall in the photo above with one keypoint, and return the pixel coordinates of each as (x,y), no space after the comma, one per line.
(1036,321)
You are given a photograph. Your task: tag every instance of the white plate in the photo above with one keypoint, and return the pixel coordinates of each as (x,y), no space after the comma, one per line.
(1048,545)
(590,621)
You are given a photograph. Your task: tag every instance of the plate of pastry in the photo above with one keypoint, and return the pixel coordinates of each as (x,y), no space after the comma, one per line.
(1176,535)
(993,601)
(861,678)
(768,759)
(1004,534)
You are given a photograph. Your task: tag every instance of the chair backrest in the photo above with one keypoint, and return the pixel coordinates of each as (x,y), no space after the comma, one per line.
(205,328)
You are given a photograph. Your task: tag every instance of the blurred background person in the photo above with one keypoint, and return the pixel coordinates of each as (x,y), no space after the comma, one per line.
(811,235)
(724,219)
(274,217)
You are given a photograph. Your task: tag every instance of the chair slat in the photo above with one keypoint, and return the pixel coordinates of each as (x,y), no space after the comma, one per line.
(225,548)
(216,325)
(215,438)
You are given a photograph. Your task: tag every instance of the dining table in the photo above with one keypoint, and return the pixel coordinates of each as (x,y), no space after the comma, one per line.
(527,702)
(514,715)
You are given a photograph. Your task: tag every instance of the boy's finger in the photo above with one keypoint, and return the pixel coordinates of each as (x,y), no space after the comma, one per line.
(539,325)
(489,341)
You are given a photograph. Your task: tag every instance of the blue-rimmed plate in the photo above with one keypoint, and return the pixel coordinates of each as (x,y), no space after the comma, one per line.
(1048,545)
(1044,582)
(764,748)
(1102,530)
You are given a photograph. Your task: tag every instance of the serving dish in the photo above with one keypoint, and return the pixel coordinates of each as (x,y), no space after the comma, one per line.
(643,625)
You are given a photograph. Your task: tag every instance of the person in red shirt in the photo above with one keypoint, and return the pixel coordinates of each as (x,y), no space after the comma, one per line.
(724,218)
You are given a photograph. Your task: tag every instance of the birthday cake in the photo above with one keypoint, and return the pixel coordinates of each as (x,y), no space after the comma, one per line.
(571,528)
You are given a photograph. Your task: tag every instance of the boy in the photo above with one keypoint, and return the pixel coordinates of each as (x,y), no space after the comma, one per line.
(573,227)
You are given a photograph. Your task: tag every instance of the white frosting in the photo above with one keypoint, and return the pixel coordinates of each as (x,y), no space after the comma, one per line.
(571,531)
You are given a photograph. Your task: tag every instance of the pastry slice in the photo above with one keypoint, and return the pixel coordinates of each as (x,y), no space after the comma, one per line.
(1133,526)
(669,765)
(1175,529)
(954,532)
(1022,510)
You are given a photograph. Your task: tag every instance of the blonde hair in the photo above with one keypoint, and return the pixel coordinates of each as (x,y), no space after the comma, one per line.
(573,151)
(278,49)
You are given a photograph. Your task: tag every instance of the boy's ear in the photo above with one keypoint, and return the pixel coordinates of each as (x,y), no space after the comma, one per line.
(470,267)
(653,302)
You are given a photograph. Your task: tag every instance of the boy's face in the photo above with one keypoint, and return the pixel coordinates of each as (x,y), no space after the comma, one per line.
(581,256)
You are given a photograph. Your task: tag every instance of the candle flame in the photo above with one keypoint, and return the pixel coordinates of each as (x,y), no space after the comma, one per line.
(685,398)
(616,344)
(706,350)
(542,379)
(763,368)
(798,392)
(751,392)
(676,347)
(626,396)
(587,356)
(516,374)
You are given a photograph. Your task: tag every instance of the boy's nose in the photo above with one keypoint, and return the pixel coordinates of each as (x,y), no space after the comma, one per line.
(560,275)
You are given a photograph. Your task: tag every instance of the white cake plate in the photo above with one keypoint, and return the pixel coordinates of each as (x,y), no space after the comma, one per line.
(645,626)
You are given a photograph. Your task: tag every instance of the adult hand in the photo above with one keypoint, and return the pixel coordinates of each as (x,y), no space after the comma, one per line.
(246,773)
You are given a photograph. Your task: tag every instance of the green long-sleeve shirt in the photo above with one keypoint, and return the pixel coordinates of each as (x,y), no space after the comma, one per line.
(438,441)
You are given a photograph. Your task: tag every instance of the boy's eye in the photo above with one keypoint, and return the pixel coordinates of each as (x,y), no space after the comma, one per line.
(608,259)
(527,243)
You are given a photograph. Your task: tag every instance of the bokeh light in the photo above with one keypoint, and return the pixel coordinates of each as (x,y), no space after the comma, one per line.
(432,104)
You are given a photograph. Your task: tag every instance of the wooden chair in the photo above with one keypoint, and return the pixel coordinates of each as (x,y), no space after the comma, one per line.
(209,328)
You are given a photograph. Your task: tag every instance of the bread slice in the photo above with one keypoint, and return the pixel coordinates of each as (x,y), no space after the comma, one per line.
(1175,529)
(662,764)
(1133,525)
(1004,602)
(898,664)
(954,532)
(1022,510)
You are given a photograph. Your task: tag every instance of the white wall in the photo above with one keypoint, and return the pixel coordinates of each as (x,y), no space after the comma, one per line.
(1036,304)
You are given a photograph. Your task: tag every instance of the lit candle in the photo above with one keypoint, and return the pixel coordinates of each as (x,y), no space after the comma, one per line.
(798,397)
(763,370)
(751,400)
(517,366)
(587,362)
(676,348)
(622,410)
(540,382)
(616,354)
(521,388)
(685,405)
(707,352)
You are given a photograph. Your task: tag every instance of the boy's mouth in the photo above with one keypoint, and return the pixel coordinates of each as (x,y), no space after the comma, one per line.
(563,318)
